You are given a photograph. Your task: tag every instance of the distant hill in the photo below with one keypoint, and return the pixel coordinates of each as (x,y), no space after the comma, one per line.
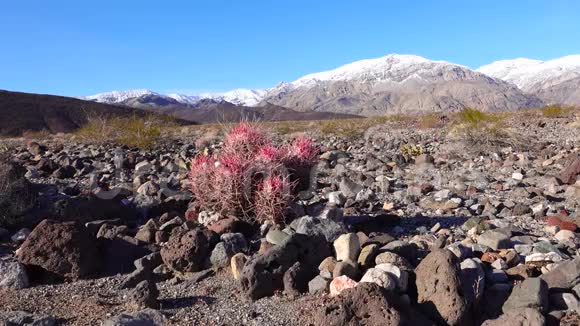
(20,112)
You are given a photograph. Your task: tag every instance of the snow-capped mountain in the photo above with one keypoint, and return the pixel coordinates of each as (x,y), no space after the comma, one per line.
(398,84)
(116,97)
(143,97)
(554,81)
(528,73)
(391,68)
(240,96)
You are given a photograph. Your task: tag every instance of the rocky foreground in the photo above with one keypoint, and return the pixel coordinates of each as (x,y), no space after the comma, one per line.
(403,226)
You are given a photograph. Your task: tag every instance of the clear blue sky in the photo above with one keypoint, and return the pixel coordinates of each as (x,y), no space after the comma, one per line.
(83,47)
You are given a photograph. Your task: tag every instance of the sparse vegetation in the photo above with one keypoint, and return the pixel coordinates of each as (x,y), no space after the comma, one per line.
(251,177)
(411,150)
(431,120)
(480,130)
(554,111)
(135,131)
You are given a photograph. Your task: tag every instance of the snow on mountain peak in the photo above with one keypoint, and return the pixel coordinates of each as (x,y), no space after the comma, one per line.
(247,97)
(528,73)
(240,96)
(118,96)
(392,67)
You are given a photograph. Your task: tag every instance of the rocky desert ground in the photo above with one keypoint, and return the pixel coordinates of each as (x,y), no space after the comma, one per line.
(431,220)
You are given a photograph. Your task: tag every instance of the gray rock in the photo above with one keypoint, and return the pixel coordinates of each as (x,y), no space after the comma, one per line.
(564,301)
(393,258)
(231,244)
(564,276)
(22,318)
(318,284)
(146,317)
(495,240)
(309,225)
(21,235)
(520,317)
(276,237)
(332,212)
(349,188)
(402,248)
(531,293)
(13,275)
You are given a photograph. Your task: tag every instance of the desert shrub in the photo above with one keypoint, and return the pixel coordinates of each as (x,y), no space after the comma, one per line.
(431,120)
(251,177)
(134,131)
(481,130)
(554,111)
(411,150)
(16,193)
(350,128)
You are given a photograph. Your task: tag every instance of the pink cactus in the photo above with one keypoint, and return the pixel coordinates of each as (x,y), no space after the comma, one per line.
(273,198)
(249,178)
(245,138)
(303,151)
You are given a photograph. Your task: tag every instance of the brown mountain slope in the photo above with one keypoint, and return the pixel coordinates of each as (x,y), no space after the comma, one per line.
(20,112)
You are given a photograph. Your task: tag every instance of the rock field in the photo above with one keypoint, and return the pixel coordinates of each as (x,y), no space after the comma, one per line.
(401,226)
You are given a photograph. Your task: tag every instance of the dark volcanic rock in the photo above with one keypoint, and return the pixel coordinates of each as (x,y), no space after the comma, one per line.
(119,253)
(189,251)
(16,194)
(263,274)
(439,288)
(296,279)
(144,295)
(368,304)
(60,250)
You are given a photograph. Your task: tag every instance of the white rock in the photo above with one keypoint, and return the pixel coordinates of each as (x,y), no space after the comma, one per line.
(543,257)
(499,264)
(347,247)
(379,277)
(337,198)
(142,167)
(552,229)
(401,276)
(565,236)
(517,176)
